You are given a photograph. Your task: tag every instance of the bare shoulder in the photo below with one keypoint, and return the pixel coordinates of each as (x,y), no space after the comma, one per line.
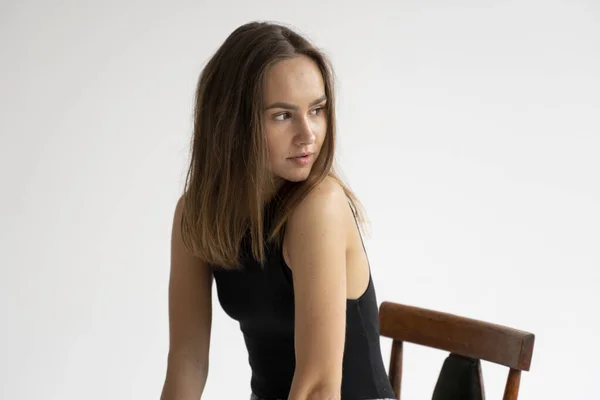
(326,200)
(323,216)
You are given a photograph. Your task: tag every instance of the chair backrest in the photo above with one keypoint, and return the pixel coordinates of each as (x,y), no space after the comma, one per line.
(458,335)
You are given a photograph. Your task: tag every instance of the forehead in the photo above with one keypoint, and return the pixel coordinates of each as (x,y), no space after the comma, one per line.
(297,80)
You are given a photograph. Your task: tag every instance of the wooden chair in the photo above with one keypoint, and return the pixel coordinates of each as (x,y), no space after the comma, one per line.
(458,335)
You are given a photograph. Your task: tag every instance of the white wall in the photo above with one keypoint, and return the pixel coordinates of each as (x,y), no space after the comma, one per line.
(470,129)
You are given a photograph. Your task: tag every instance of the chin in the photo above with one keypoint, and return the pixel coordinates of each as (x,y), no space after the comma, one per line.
(296,179)
(296,176)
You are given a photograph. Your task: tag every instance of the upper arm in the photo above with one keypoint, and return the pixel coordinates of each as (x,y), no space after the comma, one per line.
(316,242)
(190,301)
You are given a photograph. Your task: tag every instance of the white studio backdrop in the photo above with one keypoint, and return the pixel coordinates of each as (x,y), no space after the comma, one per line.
(469,129)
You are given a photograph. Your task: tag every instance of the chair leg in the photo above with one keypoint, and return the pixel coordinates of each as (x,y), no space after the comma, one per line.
(396,367)
(511,391)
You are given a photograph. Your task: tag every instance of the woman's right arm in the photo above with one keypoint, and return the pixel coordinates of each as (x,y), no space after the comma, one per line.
(190,317)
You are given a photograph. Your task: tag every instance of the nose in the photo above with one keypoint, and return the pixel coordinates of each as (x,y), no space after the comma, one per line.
(305,134)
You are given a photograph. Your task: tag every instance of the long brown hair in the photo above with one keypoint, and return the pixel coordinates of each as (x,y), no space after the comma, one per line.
(224,192)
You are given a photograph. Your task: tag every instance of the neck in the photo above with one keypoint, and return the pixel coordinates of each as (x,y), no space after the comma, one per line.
(272,188)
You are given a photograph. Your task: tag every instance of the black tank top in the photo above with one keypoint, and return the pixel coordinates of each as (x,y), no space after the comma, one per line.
(261,299)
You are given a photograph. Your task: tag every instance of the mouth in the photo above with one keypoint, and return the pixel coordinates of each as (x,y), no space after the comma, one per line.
(302,155)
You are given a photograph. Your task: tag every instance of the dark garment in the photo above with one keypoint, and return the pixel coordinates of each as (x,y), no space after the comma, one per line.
(459,380)
(255,397)
(262,300)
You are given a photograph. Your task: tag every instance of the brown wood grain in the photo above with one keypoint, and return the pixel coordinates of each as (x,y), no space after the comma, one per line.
(396,367)
(511,391)
(465,336)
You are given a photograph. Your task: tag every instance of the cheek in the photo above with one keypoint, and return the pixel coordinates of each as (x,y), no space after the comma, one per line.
(274,145)
(321,131)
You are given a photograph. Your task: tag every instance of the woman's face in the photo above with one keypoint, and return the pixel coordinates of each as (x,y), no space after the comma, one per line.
(295,119)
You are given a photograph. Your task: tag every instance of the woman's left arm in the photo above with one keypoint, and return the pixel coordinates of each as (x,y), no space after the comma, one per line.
(316,239)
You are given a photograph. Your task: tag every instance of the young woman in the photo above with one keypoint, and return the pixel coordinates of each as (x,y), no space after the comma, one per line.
(265,217)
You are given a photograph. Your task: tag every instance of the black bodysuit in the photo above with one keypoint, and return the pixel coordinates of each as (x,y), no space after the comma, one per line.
(261,299)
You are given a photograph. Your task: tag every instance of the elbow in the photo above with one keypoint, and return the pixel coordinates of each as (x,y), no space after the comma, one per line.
(316,391)
(185,377)
(324,393)
(317,381)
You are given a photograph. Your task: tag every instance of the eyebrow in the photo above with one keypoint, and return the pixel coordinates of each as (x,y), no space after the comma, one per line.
(289,106)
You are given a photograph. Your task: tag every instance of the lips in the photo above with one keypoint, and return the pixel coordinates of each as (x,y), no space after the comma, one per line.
(302,155)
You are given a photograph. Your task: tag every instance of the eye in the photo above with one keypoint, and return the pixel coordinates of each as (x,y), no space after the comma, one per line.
(317,110)
(282,116)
